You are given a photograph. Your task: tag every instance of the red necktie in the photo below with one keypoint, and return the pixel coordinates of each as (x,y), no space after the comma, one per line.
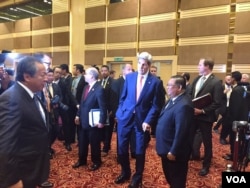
(86,92)
(139,88)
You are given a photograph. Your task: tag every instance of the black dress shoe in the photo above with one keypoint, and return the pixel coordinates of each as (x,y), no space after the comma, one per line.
(133,155)
(135,184)
(94,167)
(46,184)
(121,179)
(223,142)
(195,158)
(204,171)
(78,164)
(228,157)
(68,147)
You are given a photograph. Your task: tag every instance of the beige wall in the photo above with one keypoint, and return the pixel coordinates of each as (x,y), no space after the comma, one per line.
(189,29)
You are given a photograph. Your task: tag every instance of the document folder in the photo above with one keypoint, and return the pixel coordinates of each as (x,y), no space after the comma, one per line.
(202,101)
(94,117)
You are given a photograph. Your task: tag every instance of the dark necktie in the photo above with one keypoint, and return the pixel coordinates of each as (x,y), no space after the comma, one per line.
(86,92)
(39,107)
(169,104)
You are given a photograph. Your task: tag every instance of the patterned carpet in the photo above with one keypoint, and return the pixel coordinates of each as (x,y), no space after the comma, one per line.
(64,176)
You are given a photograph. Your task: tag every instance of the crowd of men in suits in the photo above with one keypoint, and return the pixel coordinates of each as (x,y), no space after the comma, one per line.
(133,105)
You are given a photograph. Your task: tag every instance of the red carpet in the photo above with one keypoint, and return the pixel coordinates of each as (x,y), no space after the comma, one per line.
(64,176)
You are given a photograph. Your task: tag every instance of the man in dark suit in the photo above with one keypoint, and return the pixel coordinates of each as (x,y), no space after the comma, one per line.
(205,83)
(24,129)
(67,97)
(6,79)
(153,71)
(175,132)
(52,91)
(106,83)
(223,112)
(186,75)
(93,98)
(72,103)
(117,86)
(78,82)
(77,86)
(139,107)
(238,109)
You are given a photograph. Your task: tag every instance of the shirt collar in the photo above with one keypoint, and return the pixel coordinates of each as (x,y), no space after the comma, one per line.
(31,94)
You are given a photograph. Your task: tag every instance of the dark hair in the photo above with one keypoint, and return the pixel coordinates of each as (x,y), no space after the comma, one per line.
(79,67)
(10,71)
(65,67)
(179,81)
(105,66)
(54,68)
(50,70)
(186,75)
(236,75)
(209,62)
(97,68)
(26,65)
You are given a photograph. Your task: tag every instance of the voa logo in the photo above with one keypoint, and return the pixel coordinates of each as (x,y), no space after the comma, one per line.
(236,179)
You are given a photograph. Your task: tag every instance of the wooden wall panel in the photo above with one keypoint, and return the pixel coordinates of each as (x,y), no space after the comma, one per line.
(41,22)
(61,19)
(6,28)
(22,42)
(242,22)
(242,1)
(241,53)
(60,58)
(122,34)
(61,39)
(41,41)
(94,57)
(149,7)
(127,9)
(95,36)
(22,25)
(190,55)
(7,44)
(205,26)
(157,51)
(95,14)
(193,4)
(158,30)
(121,53)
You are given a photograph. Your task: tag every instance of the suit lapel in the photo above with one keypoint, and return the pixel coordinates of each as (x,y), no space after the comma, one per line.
(91,91)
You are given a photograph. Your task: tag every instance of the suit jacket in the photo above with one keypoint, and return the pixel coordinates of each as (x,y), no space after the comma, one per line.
(238,108)
(11,83)
(56,91)
(147,108)
(94,100)
(117,87)
(174,130)
(213,86)
(109,94)
(67,97)
(79,89)
(24,140)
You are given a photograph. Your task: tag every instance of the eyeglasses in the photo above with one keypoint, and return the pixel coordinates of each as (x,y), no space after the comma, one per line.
(171,85)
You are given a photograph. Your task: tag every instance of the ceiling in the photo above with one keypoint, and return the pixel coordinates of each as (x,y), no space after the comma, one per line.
(29,9)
